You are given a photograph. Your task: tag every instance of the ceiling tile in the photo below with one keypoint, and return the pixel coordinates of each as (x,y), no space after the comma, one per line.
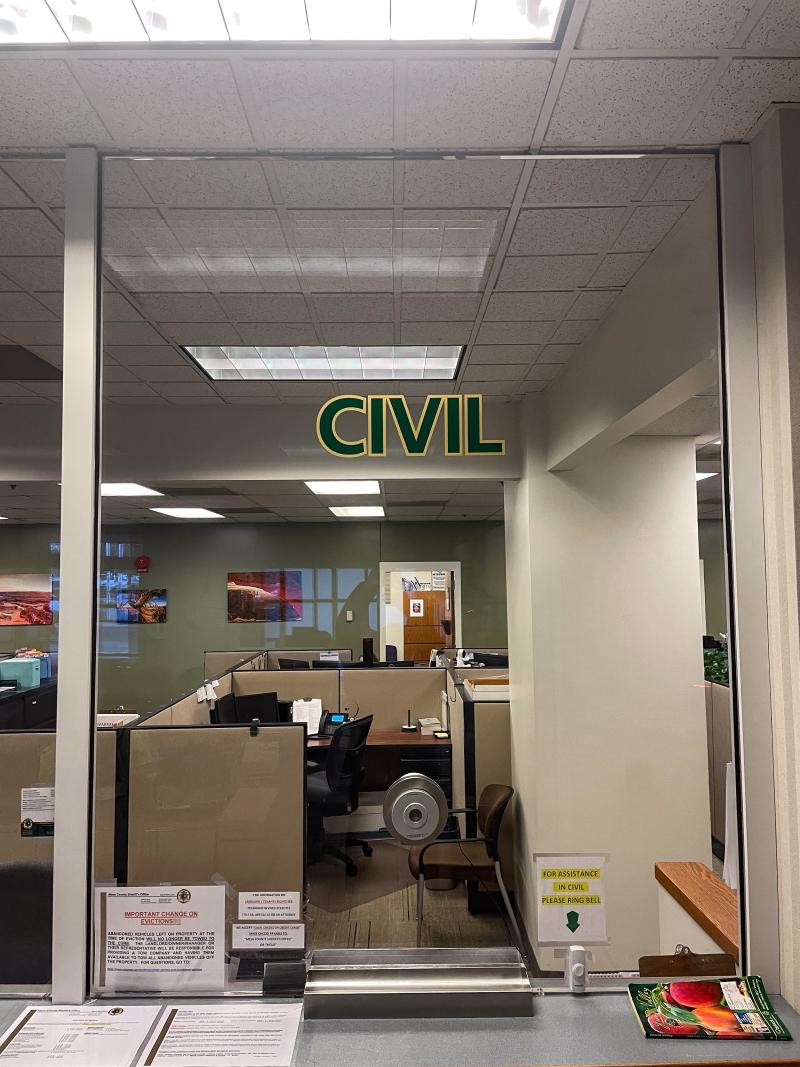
(617,268)
(593,305)
(203,110)
(573,331)
(277,333)
(130,333)
(440,308)
(460,183)
(532,385)
(201,333)
(557,353)
(10,193)
(112,373)
(44,105)
(202,400)
(28,233)
(182,307)
(587,181)
(23,308)
(493,354)
(50,353)
(222,183)
(530,306)
(42,179)
(498,372)
(6,285)
(378,307)
(648,226)
(172,389)
(779,27)
(544,372)
(683,24)
(745,90)
(613,102)
(564,231)
(226,231)
(335,183)
(435,333)
(466,103)
(36,273)
(682,179)
(32,333)
(357,333)
(129,389)
(145,355)
(267,307)
(320,103)
(117,309)
(169,373)
(520,333)
(545,272)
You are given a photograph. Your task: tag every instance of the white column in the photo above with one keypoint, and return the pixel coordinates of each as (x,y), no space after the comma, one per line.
(80,433)
(750,673)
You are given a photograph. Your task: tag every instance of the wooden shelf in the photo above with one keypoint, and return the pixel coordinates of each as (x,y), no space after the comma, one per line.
(713,905)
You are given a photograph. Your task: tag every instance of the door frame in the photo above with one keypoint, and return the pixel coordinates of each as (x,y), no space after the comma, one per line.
(418,565)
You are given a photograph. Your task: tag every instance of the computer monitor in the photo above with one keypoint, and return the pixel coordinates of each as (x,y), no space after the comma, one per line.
(325,664)
(293,664)
(224,710)
(260,706)
(285,710)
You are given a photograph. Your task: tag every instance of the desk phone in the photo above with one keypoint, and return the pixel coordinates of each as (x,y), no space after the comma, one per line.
(331,721)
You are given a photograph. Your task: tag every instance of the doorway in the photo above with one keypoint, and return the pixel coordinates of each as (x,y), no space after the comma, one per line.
(420,608)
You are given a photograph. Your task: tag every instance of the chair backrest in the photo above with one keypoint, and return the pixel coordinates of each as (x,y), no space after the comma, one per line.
(293,664)
(345,763)
(391,653)
(491,808)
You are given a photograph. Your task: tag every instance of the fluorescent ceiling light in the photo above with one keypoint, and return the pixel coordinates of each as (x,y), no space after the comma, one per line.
(188,513)
(266,20)
(98,20)
(359,511)
(326,362)
(363,488)
(3,518)
(37,22)
(568,155)
(179,20)
(127,489)
(348,20)
(28,22)
(702,475)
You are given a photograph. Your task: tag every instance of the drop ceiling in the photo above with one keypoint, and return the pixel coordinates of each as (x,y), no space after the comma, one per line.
(517,260)
(266,502)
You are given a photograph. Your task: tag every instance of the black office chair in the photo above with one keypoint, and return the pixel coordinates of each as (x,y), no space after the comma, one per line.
(334,791)
(26,922)
(391,653)
(293,664)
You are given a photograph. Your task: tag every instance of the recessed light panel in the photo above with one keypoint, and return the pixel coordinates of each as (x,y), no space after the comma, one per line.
(266,20)
(360,488)
(702,475)
(188,513)
(127,489)
(98,20)
(31,22)
(182,20)
(326,363)
(359,511)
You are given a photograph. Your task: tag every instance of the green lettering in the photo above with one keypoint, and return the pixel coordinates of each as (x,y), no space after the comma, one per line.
(473,416)
(326,426)
(416,439)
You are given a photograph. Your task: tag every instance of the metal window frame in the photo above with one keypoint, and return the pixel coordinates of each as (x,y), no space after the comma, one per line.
(80,542)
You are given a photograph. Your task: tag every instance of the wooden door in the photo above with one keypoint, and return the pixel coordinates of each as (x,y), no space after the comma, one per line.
(428,623)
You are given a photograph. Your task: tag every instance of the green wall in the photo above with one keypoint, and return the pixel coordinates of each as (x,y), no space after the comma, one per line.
(712,553)
(144,666)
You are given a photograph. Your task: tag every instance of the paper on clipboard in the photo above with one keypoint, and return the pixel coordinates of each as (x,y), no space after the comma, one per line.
(309,712)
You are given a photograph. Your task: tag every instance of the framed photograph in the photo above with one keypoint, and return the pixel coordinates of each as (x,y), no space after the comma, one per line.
(26,600)
(417,608)
(265,596)
(142,606)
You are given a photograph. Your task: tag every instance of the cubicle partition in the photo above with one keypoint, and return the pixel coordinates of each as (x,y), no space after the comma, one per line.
(216,663)
(191,709)
(290,685)
(309,655)
(388,694)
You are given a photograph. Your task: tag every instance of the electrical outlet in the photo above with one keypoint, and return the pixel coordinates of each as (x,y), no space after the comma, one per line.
(349,616)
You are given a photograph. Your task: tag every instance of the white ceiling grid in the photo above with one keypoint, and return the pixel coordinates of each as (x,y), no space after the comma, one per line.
(517,260)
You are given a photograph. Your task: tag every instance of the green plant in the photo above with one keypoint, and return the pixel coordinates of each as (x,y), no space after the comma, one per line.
(716,665)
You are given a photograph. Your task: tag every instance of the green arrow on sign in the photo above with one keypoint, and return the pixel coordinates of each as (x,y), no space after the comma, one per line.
(572,921)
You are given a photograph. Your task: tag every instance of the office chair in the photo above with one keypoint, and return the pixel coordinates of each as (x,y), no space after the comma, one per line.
(391,653)
(470,859)
(334,791)
(293,664)
(325,664)
(26,922)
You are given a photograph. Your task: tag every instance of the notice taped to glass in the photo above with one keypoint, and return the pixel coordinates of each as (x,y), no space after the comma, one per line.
(160,938)
(37,811)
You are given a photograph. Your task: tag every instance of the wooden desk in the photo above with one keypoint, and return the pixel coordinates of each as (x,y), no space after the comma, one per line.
(392,753)
(712,904)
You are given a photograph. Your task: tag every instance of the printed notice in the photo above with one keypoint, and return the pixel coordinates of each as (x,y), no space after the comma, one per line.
(161,938)
(37,811)
(87,1036)
(238,1035)
(268,935)
(571,902)
(269,907)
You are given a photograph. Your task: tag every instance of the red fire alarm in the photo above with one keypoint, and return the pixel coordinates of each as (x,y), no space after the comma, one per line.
(142,564)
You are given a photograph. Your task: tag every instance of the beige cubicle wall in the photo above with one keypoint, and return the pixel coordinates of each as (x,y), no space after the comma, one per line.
(105,804)
(389,693)
(216,663)
(290,685)
(27,758)
(720,753)
(309,655)
(188,710)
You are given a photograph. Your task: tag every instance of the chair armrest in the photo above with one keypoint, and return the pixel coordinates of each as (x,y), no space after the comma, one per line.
(438,841)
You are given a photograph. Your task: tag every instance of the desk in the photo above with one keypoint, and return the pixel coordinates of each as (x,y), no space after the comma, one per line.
(393,753)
